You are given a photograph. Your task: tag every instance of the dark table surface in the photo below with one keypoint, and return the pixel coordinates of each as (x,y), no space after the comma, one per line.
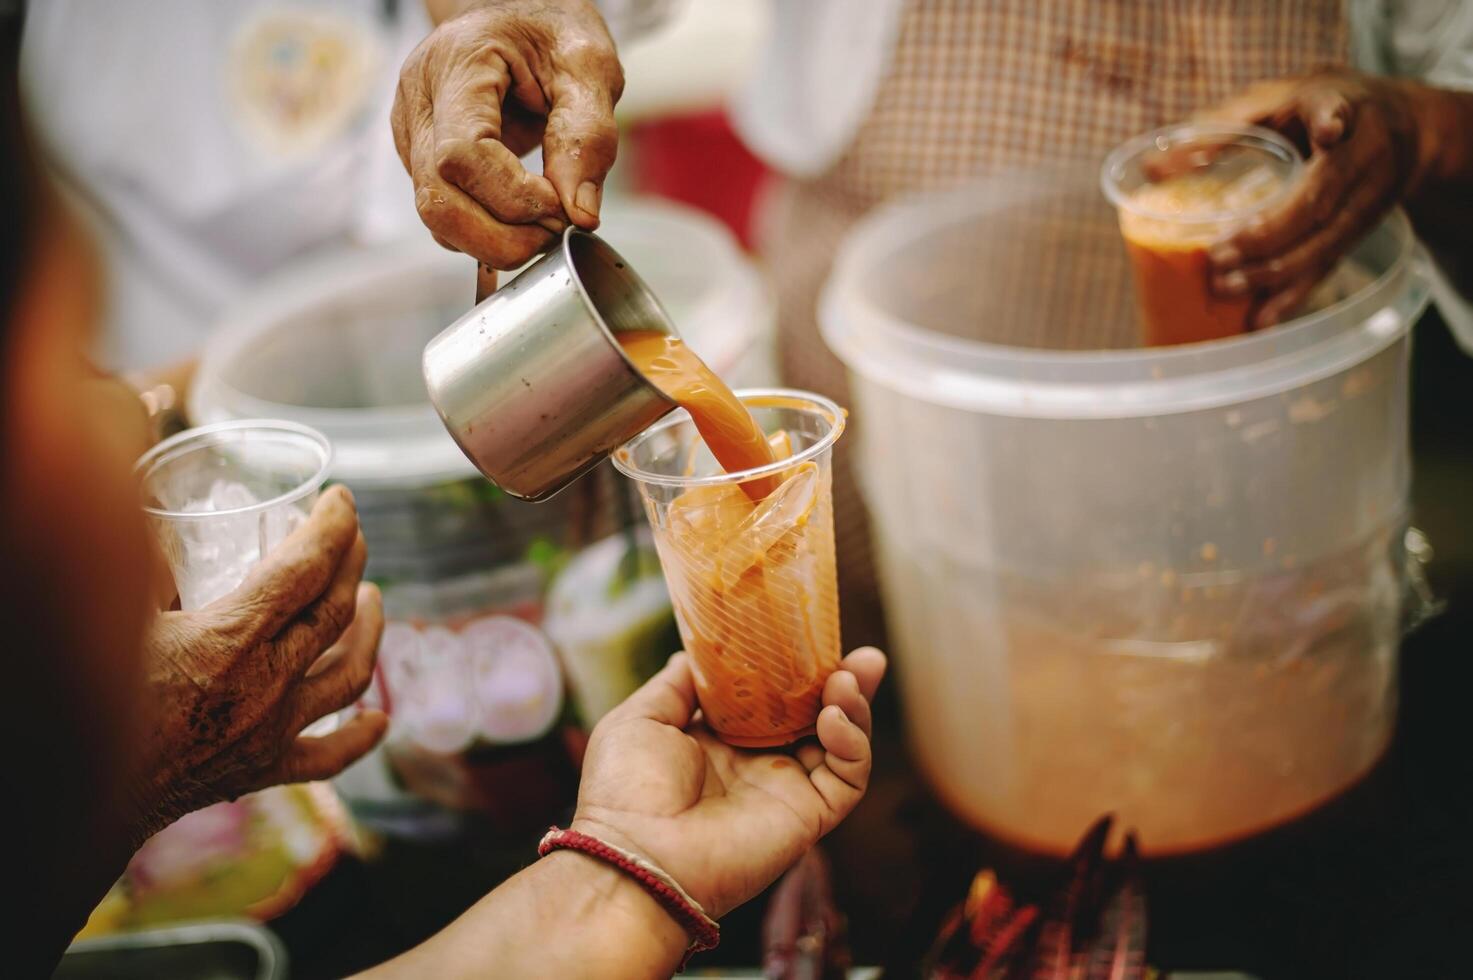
(1377,884)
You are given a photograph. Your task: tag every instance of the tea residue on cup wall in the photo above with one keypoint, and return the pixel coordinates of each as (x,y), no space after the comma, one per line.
(749,565)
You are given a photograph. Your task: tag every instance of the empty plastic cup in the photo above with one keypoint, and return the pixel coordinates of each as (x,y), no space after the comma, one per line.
(221,496)
(752,581)
(1179,191)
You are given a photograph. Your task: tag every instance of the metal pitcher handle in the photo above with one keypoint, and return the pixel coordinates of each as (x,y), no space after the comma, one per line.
(485,281)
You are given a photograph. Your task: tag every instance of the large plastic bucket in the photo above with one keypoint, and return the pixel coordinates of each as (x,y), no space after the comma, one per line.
(336,344)
(1164,583)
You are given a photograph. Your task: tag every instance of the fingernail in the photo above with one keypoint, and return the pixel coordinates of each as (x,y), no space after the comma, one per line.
(587,197)
(1225,253)
(1232,284)
(342,490)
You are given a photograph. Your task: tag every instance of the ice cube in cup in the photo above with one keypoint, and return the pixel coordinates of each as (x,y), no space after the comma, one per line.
(221,496)
(753,584)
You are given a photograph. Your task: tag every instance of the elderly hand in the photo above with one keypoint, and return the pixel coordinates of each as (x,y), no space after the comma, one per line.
(487,87)
(1365,153)
(724,822)
(233,684)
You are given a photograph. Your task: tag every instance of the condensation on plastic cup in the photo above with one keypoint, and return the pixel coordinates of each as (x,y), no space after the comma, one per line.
(302,448)
(221,496)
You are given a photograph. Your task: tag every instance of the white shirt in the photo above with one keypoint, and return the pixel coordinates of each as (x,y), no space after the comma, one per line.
(214,142)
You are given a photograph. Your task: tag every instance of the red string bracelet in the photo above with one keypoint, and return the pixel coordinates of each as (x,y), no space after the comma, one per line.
(703,930)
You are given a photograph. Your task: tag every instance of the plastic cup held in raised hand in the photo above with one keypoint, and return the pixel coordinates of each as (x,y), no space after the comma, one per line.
(751,575)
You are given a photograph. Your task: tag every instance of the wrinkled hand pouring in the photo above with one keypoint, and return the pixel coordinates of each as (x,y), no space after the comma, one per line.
(490,86)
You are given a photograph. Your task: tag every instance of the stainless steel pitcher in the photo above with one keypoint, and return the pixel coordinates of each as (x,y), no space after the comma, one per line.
(532,384)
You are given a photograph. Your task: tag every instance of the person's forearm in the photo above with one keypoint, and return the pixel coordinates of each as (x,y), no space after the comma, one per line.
(568,915)
(1440,200)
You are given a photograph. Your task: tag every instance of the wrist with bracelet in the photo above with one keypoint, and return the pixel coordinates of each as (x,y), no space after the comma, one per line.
(665,890)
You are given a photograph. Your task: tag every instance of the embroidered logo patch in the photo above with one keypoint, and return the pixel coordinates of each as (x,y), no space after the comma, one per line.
(298,78)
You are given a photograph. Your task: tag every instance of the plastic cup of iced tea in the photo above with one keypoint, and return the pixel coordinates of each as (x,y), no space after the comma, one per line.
(752,581)
(1179,191)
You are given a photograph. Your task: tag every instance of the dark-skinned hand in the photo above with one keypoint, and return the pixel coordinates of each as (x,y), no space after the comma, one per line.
(1363,148)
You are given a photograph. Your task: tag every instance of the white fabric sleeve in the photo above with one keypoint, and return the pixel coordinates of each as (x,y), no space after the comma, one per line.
(816,80)
(1430,40)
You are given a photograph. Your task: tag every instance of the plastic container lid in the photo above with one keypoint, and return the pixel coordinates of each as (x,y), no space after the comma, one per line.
(867,322)
(335,343)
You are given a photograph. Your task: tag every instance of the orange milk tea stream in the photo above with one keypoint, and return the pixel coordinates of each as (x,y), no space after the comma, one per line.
(750,566)
(726,426)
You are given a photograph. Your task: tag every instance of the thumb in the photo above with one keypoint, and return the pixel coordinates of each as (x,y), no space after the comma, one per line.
(580,144)
(669,696)
(1326,114)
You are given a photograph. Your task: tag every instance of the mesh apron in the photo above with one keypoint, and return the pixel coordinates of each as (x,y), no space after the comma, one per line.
(977,88)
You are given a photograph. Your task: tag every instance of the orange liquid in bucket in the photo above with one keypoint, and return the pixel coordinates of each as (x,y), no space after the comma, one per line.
(750,566)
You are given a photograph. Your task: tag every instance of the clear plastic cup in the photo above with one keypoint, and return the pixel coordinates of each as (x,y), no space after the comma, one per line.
(1178,191)
(753,584)
(221,496)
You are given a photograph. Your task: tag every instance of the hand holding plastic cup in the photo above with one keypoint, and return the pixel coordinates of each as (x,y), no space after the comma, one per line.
(752,582)
(221,496)
(1180,190)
